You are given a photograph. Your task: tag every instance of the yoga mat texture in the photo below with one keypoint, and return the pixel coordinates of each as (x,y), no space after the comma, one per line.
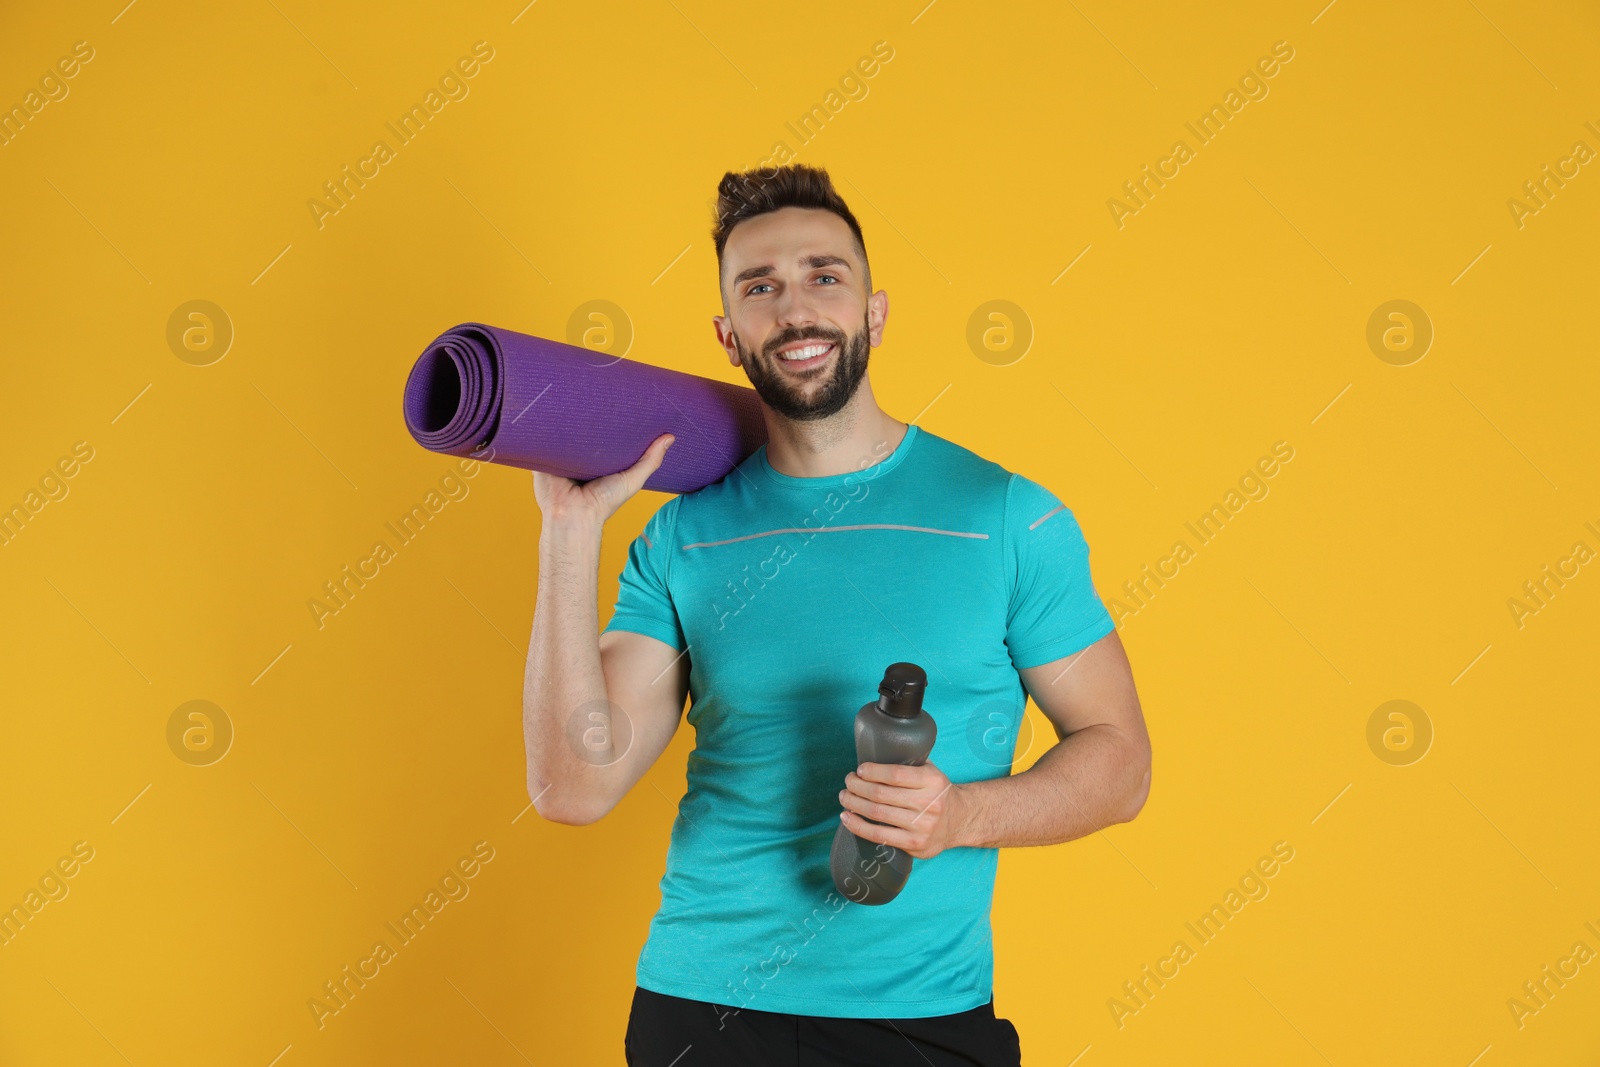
(524,401)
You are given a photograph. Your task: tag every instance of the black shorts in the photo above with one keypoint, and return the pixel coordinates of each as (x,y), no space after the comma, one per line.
(668,1031)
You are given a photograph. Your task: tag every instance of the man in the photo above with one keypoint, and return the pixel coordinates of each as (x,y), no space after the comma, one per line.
(775,598)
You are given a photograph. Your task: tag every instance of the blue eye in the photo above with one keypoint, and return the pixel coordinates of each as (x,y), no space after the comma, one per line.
(752,290)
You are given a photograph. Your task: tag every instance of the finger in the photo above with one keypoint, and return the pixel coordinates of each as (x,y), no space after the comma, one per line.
(887,773)
(884,835)
(911,799)
(619,486)
(648,461)
(893,773)
(902,817)
(659,447)
(647,464)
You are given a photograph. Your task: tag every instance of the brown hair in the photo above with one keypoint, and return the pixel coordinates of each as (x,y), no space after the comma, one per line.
(757,191)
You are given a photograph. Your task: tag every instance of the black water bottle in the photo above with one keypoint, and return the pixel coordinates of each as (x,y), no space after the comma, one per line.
(891,729)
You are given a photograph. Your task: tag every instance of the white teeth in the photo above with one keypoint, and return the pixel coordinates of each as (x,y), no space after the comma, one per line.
(806,353)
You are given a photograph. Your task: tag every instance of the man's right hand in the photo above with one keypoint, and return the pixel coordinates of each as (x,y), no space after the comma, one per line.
(562,499)
(631,685)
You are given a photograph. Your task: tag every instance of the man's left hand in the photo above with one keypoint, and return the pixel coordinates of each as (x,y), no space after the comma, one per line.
(922,808)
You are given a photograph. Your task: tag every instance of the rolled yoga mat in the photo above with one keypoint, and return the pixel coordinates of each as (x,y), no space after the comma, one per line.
(523,401)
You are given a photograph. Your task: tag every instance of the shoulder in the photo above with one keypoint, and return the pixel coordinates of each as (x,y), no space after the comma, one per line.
(658,527)
(960,471)
(1023,503)
(707,513)
(730,492)
(1013,501)
(1030,503)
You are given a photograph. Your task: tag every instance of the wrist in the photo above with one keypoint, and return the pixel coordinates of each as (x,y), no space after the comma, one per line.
(963,827)
(567,531)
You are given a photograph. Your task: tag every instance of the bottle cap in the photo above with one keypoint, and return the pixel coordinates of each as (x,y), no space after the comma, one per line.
(900,692)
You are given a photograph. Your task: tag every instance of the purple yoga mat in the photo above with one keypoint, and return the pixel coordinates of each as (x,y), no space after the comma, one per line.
(523,401)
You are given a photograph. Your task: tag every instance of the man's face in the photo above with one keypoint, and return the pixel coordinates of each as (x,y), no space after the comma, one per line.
(794,281)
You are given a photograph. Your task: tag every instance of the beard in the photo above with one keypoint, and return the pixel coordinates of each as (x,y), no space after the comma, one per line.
(814,397)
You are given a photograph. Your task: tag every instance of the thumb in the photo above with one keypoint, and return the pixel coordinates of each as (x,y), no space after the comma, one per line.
(634,477)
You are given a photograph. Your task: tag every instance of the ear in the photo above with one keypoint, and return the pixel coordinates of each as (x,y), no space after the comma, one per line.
(725,338)
(877,316)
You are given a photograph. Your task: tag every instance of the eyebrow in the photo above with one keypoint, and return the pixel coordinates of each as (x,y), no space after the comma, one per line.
(810,262)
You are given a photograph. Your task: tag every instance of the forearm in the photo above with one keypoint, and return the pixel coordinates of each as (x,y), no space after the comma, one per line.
(1093,778)
(563,673)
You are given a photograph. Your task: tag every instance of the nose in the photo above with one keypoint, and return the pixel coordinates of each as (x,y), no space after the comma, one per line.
(794,310)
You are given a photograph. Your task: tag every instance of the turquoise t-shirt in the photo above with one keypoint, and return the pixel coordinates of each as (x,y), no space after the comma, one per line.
(792,595)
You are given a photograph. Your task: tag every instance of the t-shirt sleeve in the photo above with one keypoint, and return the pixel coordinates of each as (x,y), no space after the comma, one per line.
(1054,610)
(644,602)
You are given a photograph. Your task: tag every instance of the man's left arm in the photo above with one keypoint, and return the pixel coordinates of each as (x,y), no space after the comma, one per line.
(1097,774)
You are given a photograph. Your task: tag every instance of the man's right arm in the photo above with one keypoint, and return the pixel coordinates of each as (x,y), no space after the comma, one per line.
(597,711)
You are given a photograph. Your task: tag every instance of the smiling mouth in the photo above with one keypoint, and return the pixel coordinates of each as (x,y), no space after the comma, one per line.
(807,355)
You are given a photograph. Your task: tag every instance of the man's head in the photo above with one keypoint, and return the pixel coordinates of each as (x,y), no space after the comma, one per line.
(793,271)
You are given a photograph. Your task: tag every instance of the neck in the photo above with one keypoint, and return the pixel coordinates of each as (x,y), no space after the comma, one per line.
(858,435)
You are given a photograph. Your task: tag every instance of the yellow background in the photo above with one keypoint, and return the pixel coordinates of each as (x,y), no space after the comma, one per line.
(1228,314)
